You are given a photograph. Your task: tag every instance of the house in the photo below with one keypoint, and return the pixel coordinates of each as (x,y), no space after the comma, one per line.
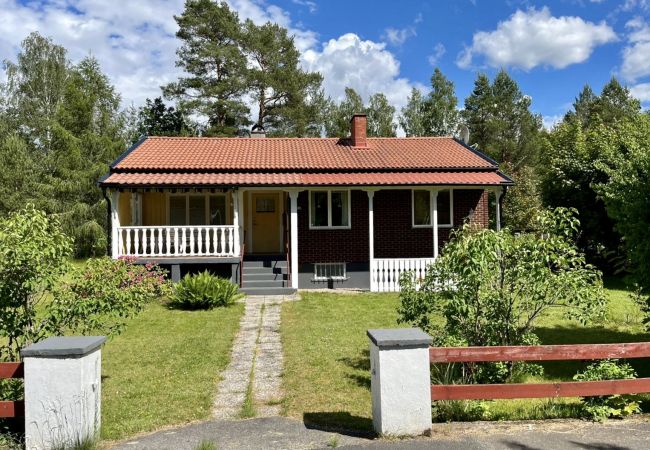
(278,214)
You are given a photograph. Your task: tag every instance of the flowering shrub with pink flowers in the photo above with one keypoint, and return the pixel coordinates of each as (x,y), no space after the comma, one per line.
(100,296)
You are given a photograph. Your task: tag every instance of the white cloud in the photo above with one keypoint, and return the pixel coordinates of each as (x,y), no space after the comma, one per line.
(135,44)
(438,51)
(397,36)
(636,55)
(365,66)
(536,38)
(641,91)
(311,5)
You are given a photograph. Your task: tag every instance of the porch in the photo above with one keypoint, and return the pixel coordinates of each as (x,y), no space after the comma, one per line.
(362,238)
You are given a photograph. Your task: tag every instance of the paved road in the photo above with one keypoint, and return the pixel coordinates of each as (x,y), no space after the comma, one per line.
(272,433)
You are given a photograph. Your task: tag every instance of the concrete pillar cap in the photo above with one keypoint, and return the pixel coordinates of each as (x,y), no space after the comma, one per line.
(399,338)
(63,347)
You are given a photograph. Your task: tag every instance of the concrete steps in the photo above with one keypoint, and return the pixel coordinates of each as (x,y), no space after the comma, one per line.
(265,275)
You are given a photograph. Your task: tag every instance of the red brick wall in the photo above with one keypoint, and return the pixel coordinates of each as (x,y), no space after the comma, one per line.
(394,235)
(334,245)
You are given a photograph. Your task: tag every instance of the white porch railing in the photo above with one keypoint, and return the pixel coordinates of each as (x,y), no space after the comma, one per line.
(161,241)
(385,272)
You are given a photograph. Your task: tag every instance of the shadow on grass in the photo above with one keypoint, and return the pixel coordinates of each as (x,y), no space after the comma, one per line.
(340,422)
(361,363)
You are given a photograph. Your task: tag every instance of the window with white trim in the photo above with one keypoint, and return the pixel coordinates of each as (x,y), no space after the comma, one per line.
(329,271)
(421,208)
(329,209)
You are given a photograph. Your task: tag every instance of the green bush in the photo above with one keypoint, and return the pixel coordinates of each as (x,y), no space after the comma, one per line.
(204,291)
(606,406)
(491,287)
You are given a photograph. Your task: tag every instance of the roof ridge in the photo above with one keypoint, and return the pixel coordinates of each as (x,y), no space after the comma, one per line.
(288,138)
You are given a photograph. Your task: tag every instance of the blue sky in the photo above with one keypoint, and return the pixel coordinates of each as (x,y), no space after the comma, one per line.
(552,48)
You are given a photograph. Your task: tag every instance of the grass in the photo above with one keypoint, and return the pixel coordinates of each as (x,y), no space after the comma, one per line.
(327,373)
(164,368)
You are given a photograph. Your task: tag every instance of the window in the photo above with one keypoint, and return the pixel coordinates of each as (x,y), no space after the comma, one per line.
(329,209)
(421,202)
(217,210)
(194,209)
(264,204)
(329,271)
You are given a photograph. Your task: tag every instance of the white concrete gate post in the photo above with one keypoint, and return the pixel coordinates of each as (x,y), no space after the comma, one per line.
(400,381)
(62,391)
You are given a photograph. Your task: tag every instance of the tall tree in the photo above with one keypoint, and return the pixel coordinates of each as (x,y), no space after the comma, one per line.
(626,194)
(337,121)
(34,89)
(411,118)
(155,118)
(62,127)
(212,56)
(589,141)
(274,78)
(441,113)
(380,116)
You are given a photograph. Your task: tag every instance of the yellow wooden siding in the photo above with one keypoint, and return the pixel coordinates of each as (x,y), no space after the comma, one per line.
(154,208)
(124,208)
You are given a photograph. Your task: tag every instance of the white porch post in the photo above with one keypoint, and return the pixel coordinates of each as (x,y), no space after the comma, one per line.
(371,238)
(115,223)
(434,220)
(498,194)
(293,196)
(235,221)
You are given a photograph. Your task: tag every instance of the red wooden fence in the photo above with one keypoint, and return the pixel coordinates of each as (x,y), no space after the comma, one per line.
(539,353)
(11,408)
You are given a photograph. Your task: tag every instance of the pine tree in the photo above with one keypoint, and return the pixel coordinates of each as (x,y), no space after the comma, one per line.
(211,54)
(154,118)
(275,80)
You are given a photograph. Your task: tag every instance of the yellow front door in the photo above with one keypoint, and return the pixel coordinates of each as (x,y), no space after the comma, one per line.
(266,223)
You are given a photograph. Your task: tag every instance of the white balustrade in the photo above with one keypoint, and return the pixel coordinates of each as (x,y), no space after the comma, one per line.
(385,272)
(164,241)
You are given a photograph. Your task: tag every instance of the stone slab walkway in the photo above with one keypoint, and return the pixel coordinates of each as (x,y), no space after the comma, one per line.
(256,358)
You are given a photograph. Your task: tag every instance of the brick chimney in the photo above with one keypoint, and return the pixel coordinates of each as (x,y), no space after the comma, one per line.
(359,125)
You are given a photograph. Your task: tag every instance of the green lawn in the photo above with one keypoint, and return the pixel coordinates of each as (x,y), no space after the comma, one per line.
(164,368)
(327,379)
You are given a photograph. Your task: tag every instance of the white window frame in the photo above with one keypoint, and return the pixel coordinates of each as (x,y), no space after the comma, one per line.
(329,225)
(206,196)
(440,225)
(324,267)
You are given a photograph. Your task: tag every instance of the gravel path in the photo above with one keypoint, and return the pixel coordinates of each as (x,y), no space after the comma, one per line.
(256,358)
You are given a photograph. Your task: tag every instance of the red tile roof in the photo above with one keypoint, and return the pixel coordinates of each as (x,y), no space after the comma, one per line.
(299,154)
(306,179)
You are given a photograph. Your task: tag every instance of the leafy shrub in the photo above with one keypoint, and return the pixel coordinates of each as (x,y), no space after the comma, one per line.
(603,407)
(104,293)
(492,286)
(41,295)
(204,291)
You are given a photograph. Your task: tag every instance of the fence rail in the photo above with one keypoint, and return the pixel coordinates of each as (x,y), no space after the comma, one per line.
(385,272)
(9,408)
(165,241)
(539,353)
